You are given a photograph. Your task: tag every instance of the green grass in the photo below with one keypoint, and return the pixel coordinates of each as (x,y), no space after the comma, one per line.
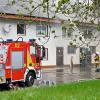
(87,90)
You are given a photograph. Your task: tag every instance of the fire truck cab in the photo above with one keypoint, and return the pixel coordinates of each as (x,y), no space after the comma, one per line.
(20,61)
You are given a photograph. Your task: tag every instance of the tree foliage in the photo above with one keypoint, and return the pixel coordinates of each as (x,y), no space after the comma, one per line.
(79,12)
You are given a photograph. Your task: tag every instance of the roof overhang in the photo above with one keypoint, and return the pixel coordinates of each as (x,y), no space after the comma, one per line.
(28,18)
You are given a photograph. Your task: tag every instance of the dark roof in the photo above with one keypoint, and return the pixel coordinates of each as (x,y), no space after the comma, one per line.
(6,7)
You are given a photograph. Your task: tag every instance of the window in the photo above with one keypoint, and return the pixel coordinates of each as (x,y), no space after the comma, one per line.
(32,50)
(69,32)
(17,59)
(71,50)
(63,32)
(87,33)
(92,49)
(46,54)
(21,29)
(41,30)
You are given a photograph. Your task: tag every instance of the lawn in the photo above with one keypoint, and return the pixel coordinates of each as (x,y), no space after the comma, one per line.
(87,90)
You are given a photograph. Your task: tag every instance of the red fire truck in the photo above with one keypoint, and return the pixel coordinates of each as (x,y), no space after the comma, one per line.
(20,61)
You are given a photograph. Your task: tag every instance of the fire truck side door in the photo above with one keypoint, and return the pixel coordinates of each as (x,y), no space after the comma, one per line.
(17,64)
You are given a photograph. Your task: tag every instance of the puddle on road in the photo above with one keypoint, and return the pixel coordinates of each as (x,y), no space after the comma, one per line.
(59,76)
(63,75)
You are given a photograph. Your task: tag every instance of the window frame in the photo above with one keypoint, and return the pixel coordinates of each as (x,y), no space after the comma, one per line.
(46,55)
(64,32)
(41,29)
(13,61)
(92,49)
(87,30)
(70,33)
(32,53)
(24,30)
(69,50)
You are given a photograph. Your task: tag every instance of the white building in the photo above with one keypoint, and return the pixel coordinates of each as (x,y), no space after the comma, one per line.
(59,51)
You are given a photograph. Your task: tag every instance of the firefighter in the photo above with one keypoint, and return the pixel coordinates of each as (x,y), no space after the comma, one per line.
(97,59)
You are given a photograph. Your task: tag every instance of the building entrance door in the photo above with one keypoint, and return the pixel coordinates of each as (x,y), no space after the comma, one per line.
(59,56)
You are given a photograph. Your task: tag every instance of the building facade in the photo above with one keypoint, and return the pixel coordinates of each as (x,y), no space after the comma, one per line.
(48,32)
(44,34)
(51,35)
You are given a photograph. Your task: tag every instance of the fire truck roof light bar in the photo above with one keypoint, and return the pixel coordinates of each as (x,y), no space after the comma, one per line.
(32,40)
(20,38)
(9,40)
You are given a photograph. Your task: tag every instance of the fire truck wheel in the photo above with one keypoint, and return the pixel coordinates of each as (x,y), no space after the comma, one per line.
(30,79)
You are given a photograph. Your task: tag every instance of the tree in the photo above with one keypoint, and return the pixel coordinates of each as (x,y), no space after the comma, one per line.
(78,11)
(82,12)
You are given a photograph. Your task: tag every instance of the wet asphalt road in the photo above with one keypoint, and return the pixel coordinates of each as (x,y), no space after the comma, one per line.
(64,75)
(52,76)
